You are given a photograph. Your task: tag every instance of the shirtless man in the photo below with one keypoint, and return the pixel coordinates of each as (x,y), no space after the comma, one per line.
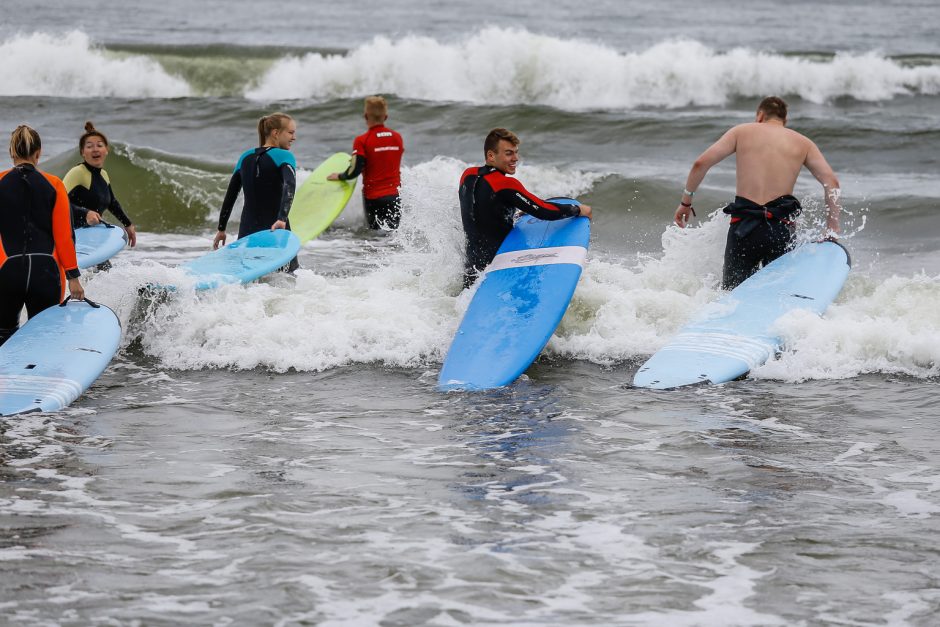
(769,159)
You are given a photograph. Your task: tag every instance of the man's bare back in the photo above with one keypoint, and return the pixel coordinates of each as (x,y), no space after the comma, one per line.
(769,159)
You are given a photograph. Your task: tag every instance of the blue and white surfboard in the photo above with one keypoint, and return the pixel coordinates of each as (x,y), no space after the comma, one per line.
(244,260)
(523,296)
(98,243)
(56,356)
(734,334)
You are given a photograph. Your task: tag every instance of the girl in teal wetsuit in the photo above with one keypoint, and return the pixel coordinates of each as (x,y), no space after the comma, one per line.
(267,174)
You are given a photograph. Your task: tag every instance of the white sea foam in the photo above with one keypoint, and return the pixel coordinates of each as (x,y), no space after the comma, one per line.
(70,65)
(397,301)
(510,66)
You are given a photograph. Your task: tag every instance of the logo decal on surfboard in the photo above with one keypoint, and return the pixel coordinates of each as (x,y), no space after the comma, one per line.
(539,257)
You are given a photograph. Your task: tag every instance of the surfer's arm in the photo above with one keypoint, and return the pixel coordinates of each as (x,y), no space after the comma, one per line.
(356,166)
(816,163)
(79,212)
(62,231)
(116,208)
(288,186)
(231,195)
(516,196)
(79,215)
(715,153)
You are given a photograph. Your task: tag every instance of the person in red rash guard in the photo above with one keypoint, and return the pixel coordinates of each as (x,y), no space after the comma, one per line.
(489,200)
(377,156)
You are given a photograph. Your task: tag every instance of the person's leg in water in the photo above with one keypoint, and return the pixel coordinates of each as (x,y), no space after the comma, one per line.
(745,255)
(383,213)
(33,281)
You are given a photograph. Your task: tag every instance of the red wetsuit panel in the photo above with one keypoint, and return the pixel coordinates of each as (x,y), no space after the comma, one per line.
(488,202)
(382,148)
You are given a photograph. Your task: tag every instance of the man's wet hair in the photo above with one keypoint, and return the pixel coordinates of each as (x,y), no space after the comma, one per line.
(773,107)
(492,139)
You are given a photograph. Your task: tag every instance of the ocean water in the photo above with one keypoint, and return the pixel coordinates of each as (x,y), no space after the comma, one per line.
(277,453)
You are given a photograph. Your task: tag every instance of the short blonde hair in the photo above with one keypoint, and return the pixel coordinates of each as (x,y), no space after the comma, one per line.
(376,109)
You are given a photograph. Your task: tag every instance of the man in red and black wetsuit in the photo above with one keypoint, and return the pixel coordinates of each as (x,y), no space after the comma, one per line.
(489,200)
(377,156)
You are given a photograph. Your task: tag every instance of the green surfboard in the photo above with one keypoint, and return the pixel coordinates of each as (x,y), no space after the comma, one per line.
(318,201)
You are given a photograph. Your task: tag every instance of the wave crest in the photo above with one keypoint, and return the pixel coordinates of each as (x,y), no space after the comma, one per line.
(43,64)
(508,66)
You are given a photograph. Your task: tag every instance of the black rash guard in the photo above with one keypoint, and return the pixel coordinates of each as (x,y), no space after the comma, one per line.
(268,177)
(90,190)
(488,202)
(36,248)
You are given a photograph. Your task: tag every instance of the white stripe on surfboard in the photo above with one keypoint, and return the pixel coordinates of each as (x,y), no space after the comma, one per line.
(538,257)
(751,351)
(61,390)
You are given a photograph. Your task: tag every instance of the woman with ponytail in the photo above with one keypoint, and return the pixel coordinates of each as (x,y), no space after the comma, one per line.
(37,254)
(89,185)
(268,176)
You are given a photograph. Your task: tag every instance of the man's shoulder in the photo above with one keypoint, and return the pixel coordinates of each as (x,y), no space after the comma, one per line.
(473,170)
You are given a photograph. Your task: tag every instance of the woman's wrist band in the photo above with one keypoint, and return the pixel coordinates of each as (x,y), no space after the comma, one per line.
(688,193)
(686,204)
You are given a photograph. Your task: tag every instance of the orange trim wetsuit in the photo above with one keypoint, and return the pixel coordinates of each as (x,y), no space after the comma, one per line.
(488,201)
(37,253)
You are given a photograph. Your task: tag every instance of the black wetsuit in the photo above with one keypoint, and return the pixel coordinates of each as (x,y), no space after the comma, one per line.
(36,249)
(488,202)
(268,177)
(90,190)
(758,235)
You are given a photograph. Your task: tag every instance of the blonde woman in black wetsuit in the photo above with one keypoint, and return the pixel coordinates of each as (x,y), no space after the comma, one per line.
(37,255)
(267,174)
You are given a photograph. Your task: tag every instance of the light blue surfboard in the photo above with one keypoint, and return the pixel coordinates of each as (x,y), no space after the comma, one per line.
(244,260)
(56,356)
(734,334)
(96,244)
(523,296)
